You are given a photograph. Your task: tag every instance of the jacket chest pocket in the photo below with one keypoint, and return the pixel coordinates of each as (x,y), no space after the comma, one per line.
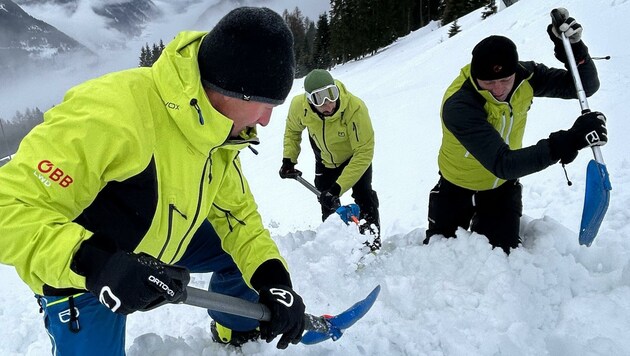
(338,134)
(176,225)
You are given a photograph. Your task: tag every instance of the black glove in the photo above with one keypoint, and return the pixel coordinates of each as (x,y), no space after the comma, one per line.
(562,23)
(288,169)
(329,198)
(287,315)
(588,130)
(129,282)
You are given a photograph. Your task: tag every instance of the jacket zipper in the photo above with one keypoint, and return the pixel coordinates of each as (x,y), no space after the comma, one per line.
(503,124)
(195,104)
(198,208)
(509,132)
(332,159)
(171,209)
(229,214)
(239,173)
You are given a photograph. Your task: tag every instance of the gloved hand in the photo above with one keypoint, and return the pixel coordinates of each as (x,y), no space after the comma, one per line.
(329,198)
(562,23)
(288,169)
(588,130)
(129,282)
(287,315)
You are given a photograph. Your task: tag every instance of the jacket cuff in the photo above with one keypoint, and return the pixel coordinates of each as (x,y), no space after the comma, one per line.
(91,257)
(271,272)
(335,189)
(580,52)
(561,147)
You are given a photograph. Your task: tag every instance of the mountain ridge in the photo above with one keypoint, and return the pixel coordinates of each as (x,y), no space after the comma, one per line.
(25,40)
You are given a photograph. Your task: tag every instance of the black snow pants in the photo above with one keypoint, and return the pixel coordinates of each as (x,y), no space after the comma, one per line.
(362,192)
(494,213)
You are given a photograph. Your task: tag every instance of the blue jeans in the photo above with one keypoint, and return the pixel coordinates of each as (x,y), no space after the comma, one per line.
(80,325)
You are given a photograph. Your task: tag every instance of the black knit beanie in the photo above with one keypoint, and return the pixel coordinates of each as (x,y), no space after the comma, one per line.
(495,57)
(249,55)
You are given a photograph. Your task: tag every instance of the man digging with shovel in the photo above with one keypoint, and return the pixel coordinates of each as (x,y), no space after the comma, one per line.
(342,138)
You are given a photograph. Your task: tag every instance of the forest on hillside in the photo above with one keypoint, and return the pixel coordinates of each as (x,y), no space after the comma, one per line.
(351,30)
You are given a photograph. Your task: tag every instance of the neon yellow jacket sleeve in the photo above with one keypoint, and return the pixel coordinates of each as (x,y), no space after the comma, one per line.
(235,217)
(109,130)
(58,170)
(293,129)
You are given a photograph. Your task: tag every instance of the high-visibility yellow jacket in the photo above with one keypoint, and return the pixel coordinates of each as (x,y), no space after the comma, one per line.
(126,157)
(482,142)
(346,135)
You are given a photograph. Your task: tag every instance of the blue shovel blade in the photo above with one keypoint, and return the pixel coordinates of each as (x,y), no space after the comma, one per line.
(341,322)
(346,212)
(596,199)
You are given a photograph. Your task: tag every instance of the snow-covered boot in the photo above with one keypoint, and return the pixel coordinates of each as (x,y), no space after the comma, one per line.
(224,335)
(371,228)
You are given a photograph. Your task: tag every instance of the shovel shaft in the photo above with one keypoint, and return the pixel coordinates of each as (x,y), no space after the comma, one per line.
(236,306)
(597,153)
(308,185)
(226,304)
(346,212)
(575,74)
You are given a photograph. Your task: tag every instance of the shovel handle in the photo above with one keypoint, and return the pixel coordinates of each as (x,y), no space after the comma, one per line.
(236,306)
(597,153)
(318,193)
(308,185)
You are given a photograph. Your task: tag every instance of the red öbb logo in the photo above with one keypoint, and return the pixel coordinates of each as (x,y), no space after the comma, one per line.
(54,173)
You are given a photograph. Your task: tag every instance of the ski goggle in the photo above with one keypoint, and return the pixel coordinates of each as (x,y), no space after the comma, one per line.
(318,97)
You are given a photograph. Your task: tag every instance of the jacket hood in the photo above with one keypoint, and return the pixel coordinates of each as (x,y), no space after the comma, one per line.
(176,74)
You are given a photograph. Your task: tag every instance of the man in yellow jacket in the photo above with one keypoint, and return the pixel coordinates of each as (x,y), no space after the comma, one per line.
(134,181)
(341,135)
(484,112)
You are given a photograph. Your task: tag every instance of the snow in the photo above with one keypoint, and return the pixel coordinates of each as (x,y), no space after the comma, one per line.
(453,296)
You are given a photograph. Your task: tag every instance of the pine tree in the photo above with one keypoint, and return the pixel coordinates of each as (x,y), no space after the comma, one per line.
(155,53)
(489,10)
(296,23)
(144,56)
(321,44)
(427,11)
(148,55)
(358,28)
(14,130)
(340,31)
(454,9)
(309,42)
(4,148)
(454,29)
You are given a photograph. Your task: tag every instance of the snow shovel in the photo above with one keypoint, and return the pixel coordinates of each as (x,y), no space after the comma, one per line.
(347,213)
(597,194)
(318,328)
